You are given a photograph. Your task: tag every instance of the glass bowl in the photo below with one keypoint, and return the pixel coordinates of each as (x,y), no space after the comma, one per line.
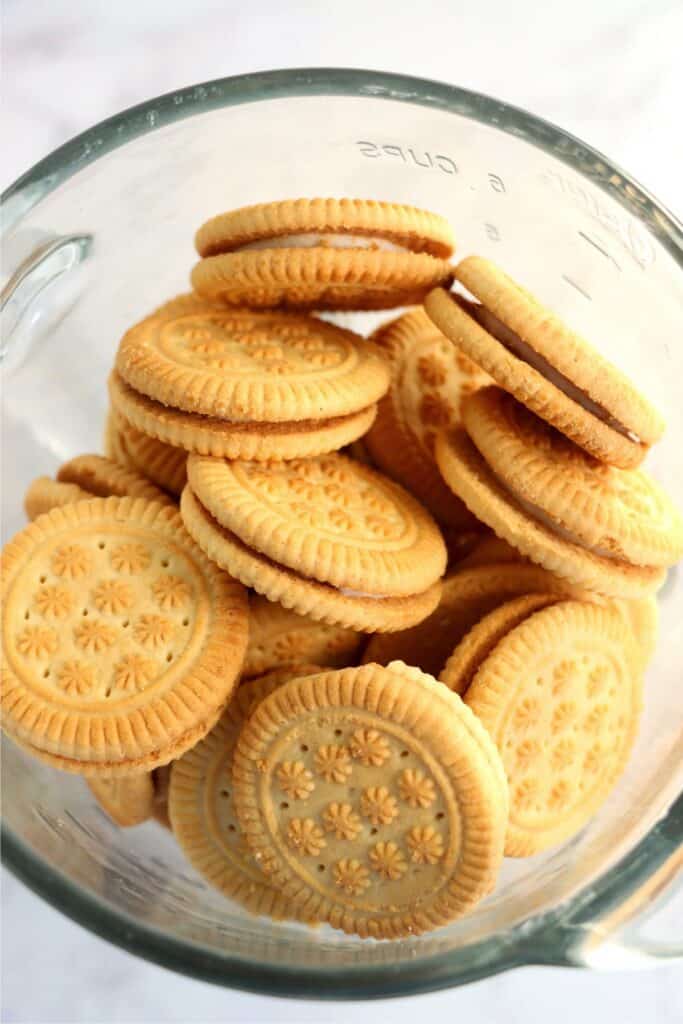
(99,233)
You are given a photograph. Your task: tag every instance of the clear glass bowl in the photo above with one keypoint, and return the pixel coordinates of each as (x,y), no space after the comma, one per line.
(99,233)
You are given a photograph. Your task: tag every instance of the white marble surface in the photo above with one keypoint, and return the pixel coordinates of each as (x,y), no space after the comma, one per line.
(609,72)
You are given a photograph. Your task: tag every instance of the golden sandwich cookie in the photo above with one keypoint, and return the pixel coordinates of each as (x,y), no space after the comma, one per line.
(323,254)
(121,641)
(430,377)
(561,697)
(127,801)
(373,800)
(545,365)
(160,463)
(326,537)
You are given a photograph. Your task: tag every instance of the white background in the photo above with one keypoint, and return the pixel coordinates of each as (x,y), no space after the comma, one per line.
(611,73)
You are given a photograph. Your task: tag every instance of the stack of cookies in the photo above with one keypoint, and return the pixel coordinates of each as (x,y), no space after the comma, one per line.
(209,665)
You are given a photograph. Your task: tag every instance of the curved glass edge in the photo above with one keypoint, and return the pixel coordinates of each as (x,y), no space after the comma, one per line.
(552,939)
(108,135)
(555,939)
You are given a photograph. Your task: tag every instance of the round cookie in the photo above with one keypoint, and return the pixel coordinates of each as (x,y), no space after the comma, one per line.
(488,549)
(430,377)
(305,596)
(465,470)
(372,799)
(250,367)
(547,367)
(280,637)
(105,478)
(561,697)
(329,519)
(45,493)
(128,801)
(477,644)
(201,805)
(323,254)
(161,463)
(121,640)
(253,441)
(616,513)
(467,595)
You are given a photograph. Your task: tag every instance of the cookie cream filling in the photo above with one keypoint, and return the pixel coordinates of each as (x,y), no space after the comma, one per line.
(324,239)
(359,593)
(513,343)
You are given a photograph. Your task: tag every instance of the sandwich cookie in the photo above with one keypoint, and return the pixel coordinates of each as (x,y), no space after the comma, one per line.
(561,697)
(545,365)
(373,800)
(278,637)
(465,470)
(326,537)
(122,642)
(246,385)
(323,254)
(162,464)
(430,377)
(615,513)
(202,811)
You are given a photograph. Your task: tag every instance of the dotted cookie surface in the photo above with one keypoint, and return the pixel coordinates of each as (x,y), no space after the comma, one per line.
(120,637)
(372,803)
(561,696)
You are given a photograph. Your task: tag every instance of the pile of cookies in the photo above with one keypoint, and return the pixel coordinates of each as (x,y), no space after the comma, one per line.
(349,681)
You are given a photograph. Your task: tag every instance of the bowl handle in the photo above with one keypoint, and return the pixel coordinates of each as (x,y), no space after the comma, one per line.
(616,925)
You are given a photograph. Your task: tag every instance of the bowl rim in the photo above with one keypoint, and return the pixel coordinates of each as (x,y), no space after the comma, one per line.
(552,938)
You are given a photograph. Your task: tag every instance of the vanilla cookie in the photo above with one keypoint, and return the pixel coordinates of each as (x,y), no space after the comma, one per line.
(465,470)
(202,812)
(467,595)
(477,644)
(615,513)
(128,801)
(121,640)
(105,478)
(561,697)
(372,799)
(545,365)
(430,377)
(45,493)
(323,254)
(280,637)
(161,463)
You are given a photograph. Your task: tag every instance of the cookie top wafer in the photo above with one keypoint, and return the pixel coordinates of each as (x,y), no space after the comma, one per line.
(466,596)
(245,366)
(561,697)
(616,513)
(361,222)
(465,470)
(324,603)
(106,478)
(120,637)
(279,637)
(515,366)
(128,801)
(202,811)
(478,643)
(372,800)
(330,519)
(430,377)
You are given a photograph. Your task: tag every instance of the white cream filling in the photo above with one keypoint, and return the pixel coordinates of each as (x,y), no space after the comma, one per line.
(326,239)
(359,593)
(512,341)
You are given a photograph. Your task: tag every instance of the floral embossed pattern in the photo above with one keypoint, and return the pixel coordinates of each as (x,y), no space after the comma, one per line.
(330,494)
(236,344)
(103,618)
(360,813)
